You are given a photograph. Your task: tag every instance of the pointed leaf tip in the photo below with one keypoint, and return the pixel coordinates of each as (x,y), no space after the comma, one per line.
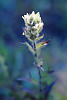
(47,41)
(30,47)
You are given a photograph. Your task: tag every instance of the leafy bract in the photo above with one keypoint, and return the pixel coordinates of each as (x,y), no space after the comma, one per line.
(30,48)
(38,38)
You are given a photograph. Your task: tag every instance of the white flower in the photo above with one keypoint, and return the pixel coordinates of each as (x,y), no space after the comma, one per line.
(33,24)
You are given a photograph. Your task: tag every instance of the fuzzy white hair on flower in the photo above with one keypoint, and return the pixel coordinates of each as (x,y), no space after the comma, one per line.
(33,24)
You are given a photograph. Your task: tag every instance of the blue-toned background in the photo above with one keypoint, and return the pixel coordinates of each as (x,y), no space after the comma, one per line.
(16,61)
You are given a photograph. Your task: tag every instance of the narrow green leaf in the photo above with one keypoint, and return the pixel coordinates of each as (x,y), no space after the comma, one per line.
(39,61)
(40,37)
(33,81)
(41,44)
(38,51)
(30,48)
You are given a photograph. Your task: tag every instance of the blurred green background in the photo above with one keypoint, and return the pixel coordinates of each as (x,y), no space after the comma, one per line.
(15,59)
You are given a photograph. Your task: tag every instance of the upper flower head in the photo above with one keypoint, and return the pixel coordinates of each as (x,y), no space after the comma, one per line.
(33,25)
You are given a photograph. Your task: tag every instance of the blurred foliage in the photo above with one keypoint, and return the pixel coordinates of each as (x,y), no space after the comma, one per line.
(16,62)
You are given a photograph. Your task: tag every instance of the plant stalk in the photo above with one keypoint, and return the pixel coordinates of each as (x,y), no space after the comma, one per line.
(40,83)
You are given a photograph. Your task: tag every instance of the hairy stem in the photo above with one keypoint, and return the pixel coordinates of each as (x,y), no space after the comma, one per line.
(40,83)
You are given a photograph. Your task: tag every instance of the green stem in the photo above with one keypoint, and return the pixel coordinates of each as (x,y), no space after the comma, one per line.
(40,83)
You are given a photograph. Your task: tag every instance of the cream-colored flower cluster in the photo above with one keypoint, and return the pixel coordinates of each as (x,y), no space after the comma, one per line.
(33,25)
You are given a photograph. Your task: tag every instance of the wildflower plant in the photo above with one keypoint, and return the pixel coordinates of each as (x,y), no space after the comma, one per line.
(33,27)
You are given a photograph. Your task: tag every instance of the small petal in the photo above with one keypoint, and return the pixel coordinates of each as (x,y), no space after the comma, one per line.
(38,14)
(22,17)
(23,33)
